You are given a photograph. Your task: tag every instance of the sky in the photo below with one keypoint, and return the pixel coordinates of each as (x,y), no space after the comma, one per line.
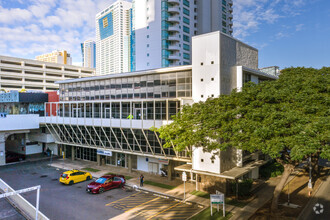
(286,32)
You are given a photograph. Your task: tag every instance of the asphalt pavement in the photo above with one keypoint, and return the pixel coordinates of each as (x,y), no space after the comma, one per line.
(319,206)
(59,201)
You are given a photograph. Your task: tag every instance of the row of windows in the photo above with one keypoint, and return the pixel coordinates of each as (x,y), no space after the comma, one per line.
(160,110)
(173,85)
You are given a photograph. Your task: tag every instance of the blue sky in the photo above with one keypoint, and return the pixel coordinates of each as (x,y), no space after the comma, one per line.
(286,32)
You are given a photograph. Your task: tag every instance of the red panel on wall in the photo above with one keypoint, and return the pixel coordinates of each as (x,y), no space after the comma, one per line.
(52,97)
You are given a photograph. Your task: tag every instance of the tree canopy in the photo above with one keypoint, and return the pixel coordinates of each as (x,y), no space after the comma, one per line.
(287,118)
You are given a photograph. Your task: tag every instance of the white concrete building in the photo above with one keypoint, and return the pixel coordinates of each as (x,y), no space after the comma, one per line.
(88,51)
(18,73)
(113,38)
(115,112)
(163,29)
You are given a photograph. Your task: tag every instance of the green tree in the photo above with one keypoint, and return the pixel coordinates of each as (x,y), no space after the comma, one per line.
(287,119)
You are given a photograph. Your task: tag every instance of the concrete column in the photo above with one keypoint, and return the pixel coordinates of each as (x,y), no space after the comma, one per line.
(169,170)
(129,163)
(73,152)
(64,150)
(2,149)
(98,159)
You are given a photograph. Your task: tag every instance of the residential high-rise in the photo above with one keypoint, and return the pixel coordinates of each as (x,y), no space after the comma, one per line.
(61,57)
(114,40)
(163,28)
(150,34)
(88,50)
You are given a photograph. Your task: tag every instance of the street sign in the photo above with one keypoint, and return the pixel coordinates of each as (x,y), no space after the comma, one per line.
(184,176)
(217,199)
(184,179)
(104,152)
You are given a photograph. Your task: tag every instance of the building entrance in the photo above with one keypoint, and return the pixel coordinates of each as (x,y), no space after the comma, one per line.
(121,160)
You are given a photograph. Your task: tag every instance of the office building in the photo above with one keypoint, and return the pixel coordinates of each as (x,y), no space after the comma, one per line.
(114,113)
(18,73)
(88,51)
(61,57)
(114,40)
(163,29)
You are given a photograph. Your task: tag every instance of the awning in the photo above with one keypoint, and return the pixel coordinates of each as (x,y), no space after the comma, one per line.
(232,174)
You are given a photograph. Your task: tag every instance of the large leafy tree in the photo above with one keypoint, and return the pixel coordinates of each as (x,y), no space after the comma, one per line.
(287,119)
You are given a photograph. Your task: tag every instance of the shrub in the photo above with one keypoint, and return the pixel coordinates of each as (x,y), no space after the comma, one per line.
(244,187)
(272,169)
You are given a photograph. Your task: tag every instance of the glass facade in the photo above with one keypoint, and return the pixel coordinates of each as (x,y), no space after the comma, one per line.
(152,86)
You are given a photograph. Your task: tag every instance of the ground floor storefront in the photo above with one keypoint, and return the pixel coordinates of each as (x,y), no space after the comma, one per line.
(152,165)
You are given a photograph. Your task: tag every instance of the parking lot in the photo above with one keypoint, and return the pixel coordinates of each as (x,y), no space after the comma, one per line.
(59,201)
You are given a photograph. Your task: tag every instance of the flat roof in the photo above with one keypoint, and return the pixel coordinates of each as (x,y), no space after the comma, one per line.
(227,35)
(30,61)
(128,74)
(233,173)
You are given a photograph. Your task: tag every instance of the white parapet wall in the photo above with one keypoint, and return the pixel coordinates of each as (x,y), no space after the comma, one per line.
(19,122)
(26,208)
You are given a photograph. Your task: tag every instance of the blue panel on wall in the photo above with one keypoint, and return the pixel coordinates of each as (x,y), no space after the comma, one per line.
(106,26)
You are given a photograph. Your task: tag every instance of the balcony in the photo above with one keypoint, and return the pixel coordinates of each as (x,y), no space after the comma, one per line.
(174,57)
(173,10)
(174,47)
(174,19)
(174,2)
(174,38)
(174,28)
(230,16)
(230,2)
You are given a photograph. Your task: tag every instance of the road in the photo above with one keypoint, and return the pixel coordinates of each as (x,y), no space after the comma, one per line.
(59,201)
(321,197)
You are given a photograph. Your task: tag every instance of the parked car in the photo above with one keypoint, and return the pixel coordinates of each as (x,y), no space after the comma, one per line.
(74,176)
(105,183)
(14,157)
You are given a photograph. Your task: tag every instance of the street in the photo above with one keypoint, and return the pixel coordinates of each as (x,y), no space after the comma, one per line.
(319,206)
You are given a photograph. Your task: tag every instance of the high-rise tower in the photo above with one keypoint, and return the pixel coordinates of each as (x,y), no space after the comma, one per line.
(114,39)
(88,50)
(163,28)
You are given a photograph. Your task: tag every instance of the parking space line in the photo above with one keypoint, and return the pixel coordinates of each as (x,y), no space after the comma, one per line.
(163,211)
(143,204)
(122,198)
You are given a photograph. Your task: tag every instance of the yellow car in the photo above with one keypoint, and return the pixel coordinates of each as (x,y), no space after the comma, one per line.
(74,176)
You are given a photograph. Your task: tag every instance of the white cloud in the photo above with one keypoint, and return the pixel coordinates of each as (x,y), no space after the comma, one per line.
(9,16)
(249,15)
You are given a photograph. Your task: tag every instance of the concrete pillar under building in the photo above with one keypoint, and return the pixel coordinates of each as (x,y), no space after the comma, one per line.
(64,152)
(2,149)
(129,163)
(98,159)
(73,153)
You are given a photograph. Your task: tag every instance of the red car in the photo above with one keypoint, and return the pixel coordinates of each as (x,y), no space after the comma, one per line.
(105,183)
(14,157)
